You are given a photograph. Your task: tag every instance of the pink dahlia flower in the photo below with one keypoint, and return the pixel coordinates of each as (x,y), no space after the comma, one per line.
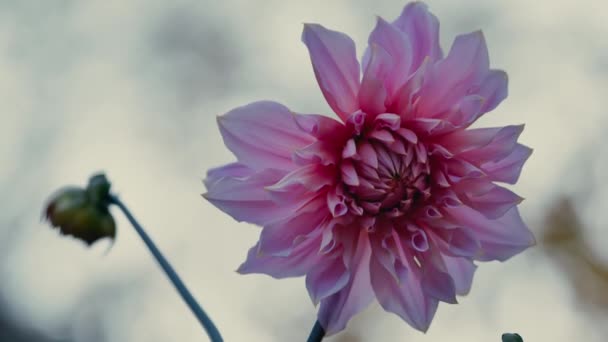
(397,199)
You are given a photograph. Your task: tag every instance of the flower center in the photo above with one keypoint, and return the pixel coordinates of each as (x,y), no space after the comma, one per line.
(385,171)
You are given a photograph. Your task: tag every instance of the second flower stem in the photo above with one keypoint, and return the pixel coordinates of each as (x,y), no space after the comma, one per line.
(317,333)
(197,310)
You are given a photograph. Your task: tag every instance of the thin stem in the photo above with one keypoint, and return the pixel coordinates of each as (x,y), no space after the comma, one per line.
(197,310)
(317,333)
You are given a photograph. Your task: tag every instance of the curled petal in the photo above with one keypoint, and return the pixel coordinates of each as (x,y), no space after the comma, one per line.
(262,135)
(336,67)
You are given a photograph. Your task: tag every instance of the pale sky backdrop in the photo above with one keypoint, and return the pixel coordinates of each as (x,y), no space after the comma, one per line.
(133,87)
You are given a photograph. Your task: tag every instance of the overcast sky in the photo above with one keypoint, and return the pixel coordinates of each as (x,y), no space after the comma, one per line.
(132,87)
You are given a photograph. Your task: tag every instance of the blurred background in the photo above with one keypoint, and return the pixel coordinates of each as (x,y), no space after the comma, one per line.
(132,88)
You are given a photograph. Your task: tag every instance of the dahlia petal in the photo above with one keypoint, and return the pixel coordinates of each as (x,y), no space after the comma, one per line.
(262,135)
(335,202)
(453,77)
(327,278)
(373,92)
(461,242)
(245,199)
(405,297)
(494,203)
(406,99)
(319,126)
(336,67)
(438,284)
(500,239)
(336,310)
(319,152)
(300,261)
(508,169)
(349,174)
(468,58)
(422,30)
(485,143)
(494,89)
(312,177)
(431,127)
(350,150)
(234,170)
(368,154)
(399,52)
(461,270)
(280,238)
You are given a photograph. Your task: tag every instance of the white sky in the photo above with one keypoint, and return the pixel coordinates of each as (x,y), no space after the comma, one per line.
(133,87)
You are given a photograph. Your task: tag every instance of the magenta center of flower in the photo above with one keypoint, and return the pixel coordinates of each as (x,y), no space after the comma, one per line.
(385,170)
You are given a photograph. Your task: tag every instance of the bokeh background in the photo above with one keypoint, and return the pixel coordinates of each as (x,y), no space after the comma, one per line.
(133,87)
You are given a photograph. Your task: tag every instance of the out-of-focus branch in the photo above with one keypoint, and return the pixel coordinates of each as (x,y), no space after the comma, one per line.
(564,240)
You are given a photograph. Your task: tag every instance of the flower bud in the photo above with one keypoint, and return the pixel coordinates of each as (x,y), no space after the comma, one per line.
(83,213)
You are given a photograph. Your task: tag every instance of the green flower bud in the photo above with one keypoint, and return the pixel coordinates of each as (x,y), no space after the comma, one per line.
(511,338)
(83,213)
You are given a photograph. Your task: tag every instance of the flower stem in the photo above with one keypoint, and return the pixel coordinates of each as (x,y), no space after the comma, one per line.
(197,310)
(317,333)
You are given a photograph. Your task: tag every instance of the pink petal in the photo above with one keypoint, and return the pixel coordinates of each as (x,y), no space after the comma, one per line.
(453,77)
(459,242)
(300,261)
(327,278)
(422,29)
(486,143)
(438,284)
(508,169)
(262,135)
(312,177)
(494,88)
(319,152)
(336,67)
(373,92)
(349,174)
(336,310)
(399,52)
(405,297)
(279,238)
(500,239)
(245,199)
(320,126)
(461,270)
(234,170)
(494,203)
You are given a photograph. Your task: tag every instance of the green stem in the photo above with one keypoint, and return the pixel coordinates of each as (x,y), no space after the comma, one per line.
(317,333)
(197,310)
